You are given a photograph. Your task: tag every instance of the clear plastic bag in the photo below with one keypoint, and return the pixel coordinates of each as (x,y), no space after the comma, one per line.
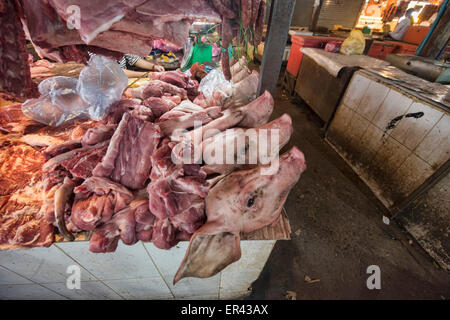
(214,84)
(64,99)
(353,44)
(59,102)
(56,83)
(101,84)
(244,91)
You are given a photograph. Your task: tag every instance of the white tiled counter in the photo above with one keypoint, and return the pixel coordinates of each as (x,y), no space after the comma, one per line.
(141,271)
(394,139)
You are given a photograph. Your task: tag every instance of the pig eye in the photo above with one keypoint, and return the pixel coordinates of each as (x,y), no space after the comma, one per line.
(251,201)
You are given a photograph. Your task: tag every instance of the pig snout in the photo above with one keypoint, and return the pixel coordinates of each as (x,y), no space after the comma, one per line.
(294,157)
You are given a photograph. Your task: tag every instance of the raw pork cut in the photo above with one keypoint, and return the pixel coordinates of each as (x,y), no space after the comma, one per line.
(13,120)
(128,158)
(176,198)
(130,224)
(156,88)
(96,200)
(22,222)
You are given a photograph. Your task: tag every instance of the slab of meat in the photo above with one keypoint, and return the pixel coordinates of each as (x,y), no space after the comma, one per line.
(116,112)
(176,198)
(13,120)
(14,69)
(99,133)
(96,201)
(20,166)
(241,75)
(22,222)
(130,224)
(243,201)
(95,17)
(56,137)
(156,88)
(72,157)
(159,106)
(83,163)
(179,79)
(169,21)
(127,160)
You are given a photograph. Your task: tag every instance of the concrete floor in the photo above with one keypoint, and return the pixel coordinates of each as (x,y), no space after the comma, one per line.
(338,231)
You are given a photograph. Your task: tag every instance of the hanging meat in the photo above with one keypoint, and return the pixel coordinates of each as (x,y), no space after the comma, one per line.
(66,30)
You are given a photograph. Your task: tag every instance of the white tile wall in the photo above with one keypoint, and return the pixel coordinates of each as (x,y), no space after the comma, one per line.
(356,129)
(140,271)
(411,131)
(167,261)
(89,290)
(391,154)
(41,265)
(127,262)
(28,292)
(401,158)
(9,277)
(412,173)
(141,289)
(373,138)
(357,87)
(435,147)
(395,104)
(239,276)
(372,100)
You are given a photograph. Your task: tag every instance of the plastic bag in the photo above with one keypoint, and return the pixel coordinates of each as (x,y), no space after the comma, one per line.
(354,44)
(101,84)
(215,84)
(59,102)
(244,91)
(64,99)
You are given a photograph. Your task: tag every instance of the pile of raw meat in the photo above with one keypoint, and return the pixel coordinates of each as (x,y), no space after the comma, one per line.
(125,177)
(63,30)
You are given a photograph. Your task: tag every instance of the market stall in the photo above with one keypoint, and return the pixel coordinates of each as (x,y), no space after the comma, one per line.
(331,72)
(94,165)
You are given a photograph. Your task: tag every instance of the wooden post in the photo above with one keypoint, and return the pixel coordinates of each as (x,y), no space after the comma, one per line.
(275,43)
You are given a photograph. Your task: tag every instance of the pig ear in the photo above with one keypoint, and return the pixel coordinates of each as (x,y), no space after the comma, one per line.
(209,254)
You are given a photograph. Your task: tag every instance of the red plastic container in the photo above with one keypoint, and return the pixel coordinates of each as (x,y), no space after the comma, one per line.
(298,42)
(405,48)
(380,49)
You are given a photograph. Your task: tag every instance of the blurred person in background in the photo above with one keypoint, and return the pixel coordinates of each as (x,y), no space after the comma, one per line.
(132,61)
(402,26)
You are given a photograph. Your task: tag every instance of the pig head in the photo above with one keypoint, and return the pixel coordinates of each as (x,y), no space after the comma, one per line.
(243,201)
